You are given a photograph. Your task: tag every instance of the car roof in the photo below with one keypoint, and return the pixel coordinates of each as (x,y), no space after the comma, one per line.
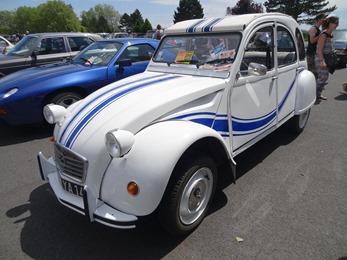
(131,40)
(225,24)
(92,35)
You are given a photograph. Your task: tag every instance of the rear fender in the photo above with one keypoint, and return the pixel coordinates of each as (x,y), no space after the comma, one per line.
(306,92)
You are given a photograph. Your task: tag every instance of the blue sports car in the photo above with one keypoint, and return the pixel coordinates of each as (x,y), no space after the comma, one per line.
(23,94)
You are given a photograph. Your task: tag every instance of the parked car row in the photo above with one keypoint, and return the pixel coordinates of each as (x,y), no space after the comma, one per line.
(23,94)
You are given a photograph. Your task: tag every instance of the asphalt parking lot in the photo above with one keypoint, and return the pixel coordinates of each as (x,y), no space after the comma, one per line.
(289,201)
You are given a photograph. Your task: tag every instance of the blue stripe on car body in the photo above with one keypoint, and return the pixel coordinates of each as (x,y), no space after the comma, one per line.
(102,94)
(96,110)
(192,28)
(209,26)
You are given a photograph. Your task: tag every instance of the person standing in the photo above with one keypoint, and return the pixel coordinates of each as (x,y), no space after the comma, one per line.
(159,32)
(325,45)
(313,35)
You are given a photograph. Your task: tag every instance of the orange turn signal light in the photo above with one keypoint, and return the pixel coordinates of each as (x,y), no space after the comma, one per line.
(3,111)
(133,188)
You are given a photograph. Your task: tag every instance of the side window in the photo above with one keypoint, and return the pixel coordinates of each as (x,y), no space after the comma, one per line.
(78,43)
(286,51)
(259,50)
(51,46)
(135,53)
(301,45)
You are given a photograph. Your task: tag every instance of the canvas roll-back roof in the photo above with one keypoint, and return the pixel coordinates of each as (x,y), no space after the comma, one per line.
(222,24)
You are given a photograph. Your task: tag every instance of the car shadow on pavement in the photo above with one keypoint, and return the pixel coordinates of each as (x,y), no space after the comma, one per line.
(53,231)
(15,135)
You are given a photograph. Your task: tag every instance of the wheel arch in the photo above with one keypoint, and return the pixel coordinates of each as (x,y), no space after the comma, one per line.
(75,89)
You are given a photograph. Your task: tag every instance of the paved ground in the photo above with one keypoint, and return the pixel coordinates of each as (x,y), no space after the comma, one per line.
(289,202)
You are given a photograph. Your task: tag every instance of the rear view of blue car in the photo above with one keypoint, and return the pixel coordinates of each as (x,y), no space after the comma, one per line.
(23,94)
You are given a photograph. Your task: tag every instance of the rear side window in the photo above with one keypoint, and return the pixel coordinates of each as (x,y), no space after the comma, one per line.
(78,43)
(51,45)
(286,51)
(135,53)
(301,45)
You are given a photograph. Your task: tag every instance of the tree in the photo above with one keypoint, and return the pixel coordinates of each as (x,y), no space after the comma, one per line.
(146,26)
(188,9)
(302,11)
(26,18)
(101,18)
(245,7)
(136,21)
(7,25)
(124,22)
(56,16)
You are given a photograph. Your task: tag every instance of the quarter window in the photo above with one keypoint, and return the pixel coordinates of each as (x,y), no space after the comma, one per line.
(286,52)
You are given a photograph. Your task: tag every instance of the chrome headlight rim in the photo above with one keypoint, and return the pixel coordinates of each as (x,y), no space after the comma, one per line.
(119,142)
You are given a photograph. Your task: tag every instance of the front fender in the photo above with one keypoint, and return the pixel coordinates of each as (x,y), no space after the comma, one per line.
(306,92)
(150,163)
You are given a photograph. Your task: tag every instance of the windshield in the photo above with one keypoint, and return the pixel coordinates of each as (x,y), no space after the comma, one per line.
(23,47)
(205,51)
(98,53)
(340,35)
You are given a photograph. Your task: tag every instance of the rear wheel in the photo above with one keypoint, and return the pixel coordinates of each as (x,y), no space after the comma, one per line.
(299,122)
(188,195)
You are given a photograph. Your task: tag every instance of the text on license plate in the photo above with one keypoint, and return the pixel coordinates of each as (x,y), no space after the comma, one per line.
(72,187)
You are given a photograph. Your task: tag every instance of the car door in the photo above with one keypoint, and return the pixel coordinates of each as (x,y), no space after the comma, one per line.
(253,99)
(139,55)
(287,64)
(48,50)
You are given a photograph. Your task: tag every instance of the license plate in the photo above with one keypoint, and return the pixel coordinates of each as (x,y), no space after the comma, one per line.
(72,187)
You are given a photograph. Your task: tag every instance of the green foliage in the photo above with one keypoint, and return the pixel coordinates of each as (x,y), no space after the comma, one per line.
(188,9)
(245,7)
(134,22)
(146,26)
(56,16)
(101,18)
(7,25)
(301,11)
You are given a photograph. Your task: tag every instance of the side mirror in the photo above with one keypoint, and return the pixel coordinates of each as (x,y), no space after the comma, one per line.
(124,63)
(256,69)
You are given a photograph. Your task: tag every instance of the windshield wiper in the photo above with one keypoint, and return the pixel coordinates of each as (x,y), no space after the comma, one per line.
(184,62)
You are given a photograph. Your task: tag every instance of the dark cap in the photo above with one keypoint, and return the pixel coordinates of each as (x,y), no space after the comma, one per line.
(320,16)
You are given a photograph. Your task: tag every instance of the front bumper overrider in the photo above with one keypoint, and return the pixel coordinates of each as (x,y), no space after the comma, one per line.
(88,205)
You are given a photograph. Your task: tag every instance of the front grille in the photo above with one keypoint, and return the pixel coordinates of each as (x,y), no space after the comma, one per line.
(70,163)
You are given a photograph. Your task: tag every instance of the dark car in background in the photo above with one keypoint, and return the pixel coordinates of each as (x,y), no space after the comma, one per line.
(23,94)
(340,42)
(44,48)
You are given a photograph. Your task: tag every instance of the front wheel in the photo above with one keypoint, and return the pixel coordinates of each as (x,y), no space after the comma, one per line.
(299,122)
(66,99)
(188,195)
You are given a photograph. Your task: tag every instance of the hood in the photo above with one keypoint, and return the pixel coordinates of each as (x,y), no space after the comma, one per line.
(36,75)
(132,104)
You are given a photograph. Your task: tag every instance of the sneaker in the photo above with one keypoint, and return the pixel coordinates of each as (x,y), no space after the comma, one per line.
(322,97)
(344,86)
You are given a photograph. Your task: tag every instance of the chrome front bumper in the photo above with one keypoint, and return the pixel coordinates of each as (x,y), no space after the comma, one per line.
(88,205)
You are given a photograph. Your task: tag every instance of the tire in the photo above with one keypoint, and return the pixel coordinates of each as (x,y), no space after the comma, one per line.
(298,122)
(188,195)
(66,99)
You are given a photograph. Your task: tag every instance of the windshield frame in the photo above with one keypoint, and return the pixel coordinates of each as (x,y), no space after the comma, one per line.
(24,47)
(96,54)
(186,50)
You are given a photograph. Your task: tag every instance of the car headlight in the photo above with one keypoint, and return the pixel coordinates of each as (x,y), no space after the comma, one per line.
(53,113)
(119,142)
(10,92)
